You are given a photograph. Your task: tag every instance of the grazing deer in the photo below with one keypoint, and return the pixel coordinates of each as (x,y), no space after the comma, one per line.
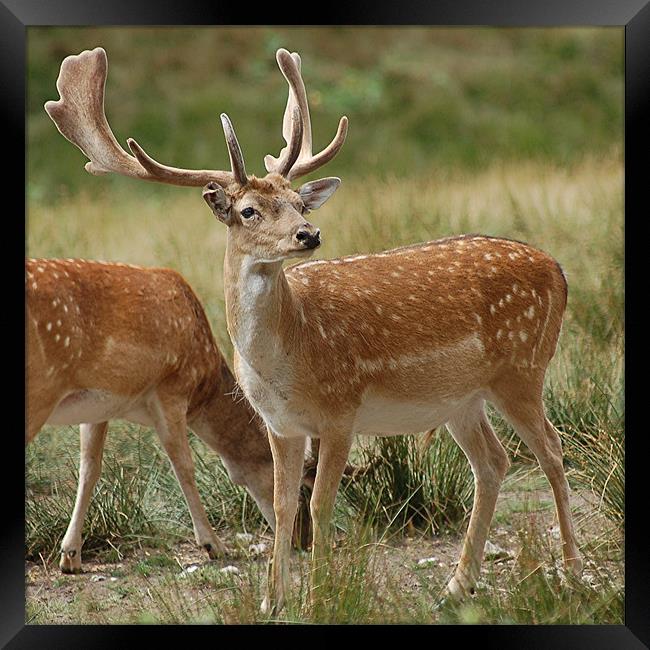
(390,343)
(108,341)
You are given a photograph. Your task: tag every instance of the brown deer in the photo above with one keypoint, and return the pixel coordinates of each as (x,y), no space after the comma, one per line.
(111,340)
(395,342)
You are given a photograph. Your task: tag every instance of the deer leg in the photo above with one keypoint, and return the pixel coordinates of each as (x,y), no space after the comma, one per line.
(171,427)
(489,462)
(521,403)
(92,438)
(288,459)
(332,461)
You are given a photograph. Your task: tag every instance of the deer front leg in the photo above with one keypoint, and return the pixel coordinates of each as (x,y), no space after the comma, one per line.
(288,458)
(171,427)
(92,438)
(332,461)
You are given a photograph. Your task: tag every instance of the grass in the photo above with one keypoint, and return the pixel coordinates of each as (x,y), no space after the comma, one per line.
(405,486)
(511,133)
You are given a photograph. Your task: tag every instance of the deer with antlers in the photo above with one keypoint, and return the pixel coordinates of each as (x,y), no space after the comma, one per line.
(396,342)
(111,340)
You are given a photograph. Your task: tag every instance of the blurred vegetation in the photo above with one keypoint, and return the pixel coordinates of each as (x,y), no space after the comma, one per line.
(419,99)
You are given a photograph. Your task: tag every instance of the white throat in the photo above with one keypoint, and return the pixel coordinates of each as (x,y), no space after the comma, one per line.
(256,292)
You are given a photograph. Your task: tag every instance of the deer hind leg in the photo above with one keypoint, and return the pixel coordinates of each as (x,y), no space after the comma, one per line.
(92,438)
(171,427)
(520,401)
(489,463)
(37,413)
(288,458)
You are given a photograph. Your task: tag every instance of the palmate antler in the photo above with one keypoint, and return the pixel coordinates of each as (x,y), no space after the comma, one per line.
(79,116)
(306,162)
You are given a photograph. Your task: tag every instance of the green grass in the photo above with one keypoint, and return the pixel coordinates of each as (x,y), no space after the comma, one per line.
(403,485)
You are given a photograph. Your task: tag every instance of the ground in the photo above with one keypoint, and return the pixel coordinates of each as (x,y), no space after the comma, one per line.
(151,585)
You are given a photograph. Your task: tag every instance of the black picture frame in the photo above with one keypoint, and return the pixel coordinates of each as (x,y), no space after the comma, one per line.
(633,15)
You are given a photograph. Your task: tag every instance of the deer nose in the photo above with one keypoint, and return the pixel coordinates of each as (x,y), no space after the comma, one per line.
(309,239)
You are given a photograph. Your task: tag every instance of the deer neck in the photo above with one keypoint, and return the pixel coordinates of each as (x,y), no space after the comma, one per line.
(260,309)
(227,423)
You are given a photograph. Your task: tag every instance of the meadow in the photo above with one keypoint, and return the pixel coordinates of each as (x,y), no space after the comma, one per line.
(513,133)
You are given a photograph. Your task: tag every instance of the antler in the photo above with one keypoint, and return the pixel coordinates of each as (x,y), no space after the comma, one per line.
(306,162)
(79,116)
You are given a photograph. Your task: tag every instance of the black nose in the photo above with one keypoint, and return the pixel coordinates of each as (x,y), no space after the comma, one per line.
(308,239)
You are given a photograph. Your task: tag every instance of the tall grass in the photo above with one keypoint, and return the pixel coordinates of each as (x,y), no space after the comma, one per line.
(403,485)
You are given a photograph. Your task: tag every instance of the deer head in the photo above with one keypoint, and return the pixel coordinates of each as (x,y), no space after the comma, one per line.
(265,216)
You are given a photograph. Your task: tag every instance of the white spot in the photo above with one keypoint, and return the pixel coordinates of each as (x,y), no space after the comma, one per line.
(65,308)
(508,322)
(530,312)
(378,309)
(493,309)
(58,323)
(501,302)
(50,371)
(57,337)
(48,327)
(395,274)
(322,331)
(499,334)
(511,335)
(478,319)
(66,343)
(34,285)
(487,257)
(508,298)
(523,335)
(40,269)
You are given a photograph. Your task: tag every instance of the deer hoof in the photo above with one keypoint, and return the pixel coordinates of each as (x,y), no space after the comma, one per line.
(70,562)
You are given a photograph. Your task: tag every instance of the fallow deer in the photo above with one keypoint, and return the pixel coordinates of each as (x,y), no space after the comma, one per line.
(395,342)
(111,340)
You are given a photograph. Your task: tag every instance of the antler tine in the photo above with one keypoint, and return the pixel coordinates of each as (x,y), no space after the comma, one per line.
(290,65)
(295,142)
(79,116)
(234,151)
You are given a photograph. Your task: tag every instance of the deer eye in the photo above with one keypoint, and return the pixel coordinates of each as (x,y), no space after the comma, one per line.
(247,213)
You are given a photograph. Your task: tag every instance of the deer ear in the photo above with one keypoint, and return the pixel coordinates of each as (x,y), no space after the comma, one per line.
(315,193)
(219,203)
